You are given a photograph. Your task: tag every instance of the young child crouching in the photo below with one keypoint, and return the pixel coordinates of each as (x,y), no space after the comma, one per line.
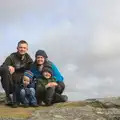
(27,91)
(45,88)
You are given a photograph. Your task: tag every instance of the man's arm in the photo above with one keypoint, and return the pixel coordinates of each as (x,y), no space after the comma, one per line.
(9,63)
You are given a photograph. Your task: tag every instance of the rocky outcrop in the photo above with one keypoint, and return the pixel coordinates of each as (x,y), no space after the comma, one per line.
(84,110)
(90,109)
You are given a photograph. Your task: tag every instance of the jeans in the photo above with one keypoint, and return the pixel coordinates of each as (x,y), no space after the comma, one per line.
(28,97)
(9,81)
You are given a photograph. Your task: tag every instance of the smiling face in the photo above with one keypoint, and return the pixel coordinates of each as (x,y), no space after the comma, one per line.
(47,75)
(40,60)
(22,48)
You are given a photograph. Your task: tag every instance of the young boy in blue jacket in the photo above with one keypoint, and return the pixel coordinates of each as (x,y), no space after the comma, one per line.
(27,90)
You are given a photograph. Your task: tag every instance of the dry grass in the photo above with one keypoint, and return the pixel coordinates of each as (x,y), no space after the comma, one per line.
(8,112)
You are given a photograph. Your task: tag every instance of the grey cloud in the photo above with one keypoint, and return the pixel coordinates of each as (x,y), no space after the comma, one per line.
(82,40)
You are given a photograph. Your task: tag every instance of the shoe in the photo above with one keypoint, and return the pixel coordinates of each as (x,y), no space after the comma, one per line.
(48,102)
(64,98)
(39,103)
(9,100)
(26,105)
(59,98)
(34,105)
(14,105)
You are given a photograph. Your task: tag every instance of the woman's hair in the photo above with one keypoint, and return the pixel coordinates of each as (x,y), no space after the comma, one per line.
(41,53)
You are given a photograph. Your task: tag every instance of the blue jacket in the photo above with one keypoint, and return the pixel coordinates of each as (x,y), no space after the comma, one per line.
(56,73)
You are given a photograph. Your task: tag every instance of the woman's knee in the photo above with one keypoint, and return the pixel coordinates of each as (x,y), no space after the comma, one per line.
(60,87)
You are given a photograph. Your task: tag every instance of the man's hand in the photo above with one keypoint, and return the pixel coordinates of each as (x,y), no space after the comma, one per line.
(11,69)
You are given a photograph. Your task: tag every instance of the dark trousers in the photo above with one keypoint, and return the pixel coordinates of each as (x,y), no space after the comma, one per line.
(60,87)
(16,93)
(45,94)
(6,80)
(40,93)
(49,94)
(16,79)
(10,82)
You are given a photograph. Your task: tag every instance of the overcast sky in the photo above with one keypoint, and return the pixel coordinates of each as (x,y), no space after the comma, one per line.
(82,37)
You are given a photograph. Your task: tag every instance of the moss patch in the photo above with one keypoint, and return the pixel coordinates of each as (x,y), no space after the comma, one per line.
(71,104)
(96,104)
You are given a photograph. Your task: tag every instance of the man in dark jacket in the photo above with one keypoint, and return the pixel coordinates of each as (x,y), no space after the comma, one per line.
(13,68)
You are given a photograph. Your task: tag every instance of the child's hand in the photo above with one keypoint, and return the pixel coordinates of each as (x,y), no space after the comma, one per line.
(51,84)
(48,85)
(26,84)
(54,84)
